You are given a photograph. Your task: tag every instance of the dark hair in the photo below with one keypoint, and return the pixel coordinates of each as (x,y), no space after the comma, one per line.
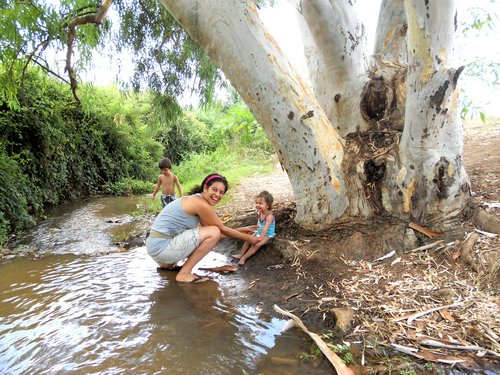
(165,163)
(208,181)
(268,198)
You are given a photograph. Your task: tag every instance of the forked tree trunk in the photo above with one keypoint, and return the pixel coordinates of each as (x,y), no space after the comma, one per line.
(376,136)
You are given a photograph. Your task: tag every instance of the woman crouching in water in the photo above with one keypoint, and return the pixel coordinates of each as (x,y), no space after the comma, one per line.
(189,228)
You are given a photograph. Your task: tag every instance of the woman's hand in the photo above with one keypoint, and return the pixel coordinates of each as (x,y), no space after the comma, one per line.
(247,230)
(253,239)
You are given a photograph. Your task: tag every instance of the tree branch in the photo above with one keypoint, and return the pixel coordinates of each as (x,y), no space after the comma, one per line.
(48,70)
(336,48)
(392,28)
(95,18)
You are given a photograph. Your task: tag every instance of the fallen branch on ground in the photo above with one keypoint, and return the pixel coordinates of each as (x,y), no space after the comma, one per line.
(334,359)
(425,247)
(223,269)
(429,233)
(410,318)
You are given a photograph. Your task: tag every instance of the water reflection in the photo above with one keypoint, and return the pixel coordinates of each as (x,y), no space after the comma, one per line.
(115,313)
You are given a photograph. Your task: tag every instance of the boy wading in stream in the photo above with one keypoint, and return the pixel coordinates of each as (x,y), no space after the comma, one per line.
(167,181)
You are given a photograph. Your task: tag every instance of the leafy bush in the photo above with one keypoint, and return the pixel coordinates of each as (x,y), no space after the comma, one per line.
(13,191)
(53,151)
(234,125)
(128,186)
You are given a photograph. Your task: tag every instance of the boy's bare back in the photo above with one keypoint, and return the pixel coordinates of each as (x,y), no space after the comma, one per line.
(167,183)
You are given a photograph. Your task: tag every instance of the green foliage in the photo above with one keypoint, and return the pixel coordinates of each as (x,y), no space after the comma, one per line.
(407,372)
(477,18)
(53,151)
(471,110)
(428,366)
(343,351)
(13,192)
(313,355)
(128,186)
(167,60)
(224,160)
(234,125)
(182,136)
(479,21)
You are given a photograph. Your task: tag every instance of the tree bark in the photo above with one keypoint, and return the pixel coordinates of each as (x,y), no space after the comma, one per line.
(432,178)
(95,18)
(392,29)
(336,52)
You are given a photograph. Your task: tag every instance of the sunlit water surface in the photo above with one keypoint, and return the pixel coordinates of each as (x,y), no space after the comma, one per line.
(78,311)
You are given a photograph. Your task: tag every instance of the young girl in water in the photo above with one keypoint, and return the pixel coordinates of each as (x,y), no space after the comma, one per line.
(266,224)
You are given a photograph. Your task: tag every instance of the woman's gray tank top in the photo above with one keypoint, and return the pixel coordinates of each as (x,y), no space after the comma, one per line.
(173,220)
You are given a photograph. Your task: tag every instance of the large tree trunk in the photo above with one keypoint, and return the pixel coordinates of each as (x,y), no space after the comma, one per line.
(431,175)
(369,140)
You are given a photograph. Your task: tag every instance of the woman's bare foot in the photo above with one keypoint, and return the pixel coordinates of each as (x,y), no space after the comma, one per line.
(194,279)
(241,262)
(168,265)
(236,256)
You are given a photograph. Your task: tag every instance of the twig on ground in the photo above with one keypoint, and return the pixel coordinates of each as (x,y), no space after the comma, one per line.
(334,359)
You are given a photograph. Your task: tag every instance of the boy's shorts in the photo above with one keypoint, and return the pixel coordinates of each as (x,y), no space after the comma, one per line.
(164,250)
(166,199)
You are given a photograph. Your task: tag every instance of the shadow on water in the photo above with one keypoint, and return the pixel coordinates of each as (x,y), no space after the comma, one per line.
(73,311)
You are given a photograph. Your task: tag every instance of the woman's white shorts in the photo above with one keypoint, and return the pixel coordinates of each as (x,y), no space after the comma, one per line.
(164,250)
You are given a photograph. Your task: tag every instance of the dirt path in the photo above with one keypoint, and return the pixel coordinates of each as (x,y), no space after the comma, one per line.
(482,161)
(242,196)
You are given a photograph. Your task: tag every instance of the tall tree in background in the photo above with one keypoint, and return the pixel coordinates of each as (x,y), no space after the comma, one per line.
(165,58)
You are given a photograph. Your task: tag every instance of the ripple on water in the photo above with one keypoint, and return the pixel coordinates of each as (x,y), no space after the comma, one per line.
(115,313)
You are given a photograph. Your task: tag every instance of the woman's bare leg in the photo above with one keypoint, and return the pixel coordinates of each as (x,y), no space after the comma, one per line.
(209,237)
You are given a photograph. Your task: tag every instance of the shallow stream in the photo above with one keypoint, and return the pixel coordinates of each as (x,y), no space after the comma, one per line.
(85,307)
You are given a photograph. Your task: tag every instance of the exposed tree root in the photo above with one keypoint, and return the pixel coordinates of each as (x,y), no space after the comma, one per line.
(486,221)
(466,251)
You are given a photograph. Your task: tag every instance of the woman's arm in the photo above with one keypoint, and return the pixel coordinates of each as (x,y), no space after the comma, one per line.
(248,229)
(208,217)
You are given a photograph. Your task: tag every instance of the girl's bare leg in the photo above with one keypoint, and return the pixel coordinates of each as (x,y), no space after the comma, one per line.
(244,249)
(209,237)
(253,250)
